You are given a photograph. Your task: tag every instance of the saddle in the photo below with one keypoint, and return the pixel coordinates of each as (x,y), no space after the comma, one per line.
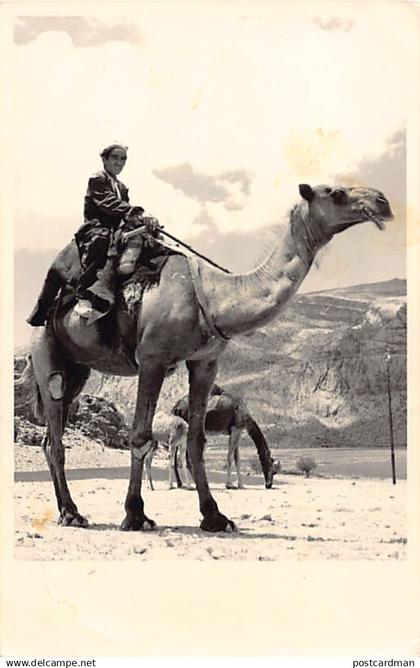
(141,257)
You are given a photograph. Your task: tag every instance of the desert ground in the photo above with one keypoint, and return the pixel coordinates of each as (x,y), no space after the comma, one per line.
(339,518)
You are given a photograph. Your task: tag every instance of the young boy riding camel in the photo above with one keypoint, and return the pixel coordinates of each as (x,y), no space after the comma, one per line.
(106,209)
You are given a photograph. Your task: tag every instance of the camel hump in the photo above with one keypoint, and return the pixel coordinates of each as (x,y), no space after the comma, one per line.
(222,403)
(213,403)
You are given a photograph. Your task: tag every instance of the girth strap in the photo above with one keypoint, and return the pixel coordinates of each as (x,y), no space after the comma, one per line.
(194,265)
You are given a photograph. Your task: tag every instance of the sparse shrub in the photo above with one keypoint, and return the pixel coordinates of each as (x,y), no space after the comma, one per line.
(306,465)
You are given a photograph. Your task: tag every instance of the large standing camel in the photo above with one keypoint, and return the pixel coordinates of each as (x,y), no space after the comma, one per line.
(228,414)
(189,315)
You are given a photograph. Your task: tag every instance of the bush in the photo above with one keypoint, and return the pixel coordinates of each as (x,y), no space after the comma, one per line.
(306,465)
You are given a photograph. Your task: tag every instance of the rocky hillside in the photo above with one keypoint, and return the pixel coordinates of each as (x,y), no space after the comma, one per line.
(317,376)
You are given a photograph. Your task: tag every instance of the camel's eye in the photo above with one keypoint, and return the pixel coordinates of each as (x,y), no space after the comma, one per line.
(339,196)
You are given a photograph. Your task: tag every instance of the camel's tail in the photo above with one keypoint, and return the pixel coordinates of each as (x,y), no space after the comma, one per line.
(27,391)
(263,450)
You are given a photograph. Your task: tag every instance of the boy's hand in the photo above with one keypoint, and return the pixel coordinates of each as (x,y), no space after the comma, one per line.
(151,224)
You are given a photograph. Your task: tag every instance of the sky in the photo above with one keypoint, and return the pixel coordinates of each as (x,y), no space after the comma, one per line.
(225,108)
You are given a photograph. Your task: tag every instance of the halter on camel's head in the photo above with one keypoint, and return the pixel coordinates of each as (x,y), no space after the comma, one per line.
(327,211)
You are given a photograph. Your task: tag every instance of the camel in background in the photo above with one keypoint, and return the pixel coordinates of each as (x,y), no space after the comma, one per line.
(188,315)
(228,414)
(171,432)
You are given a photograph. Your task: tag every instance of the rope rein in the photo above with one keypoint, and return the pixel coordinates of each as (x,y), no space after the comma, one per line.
(128,235)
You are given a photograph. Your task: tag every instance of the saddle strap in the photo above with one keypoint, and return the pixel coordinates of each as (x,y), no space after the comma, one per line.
(194,266)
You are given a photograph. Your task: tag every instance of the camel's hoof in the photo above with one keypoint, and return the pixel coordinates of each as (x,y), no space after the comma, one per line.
(230,485)
(68,519)
(137,524)
(230,527)
(217,523)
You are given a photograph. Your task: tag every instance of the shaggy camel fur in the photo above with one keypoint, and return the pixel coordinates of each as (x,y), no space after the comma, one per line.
(189,315)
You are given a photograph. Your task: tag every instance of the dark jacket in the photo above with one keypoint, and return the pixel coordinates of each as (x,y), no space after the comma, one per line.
(102,202)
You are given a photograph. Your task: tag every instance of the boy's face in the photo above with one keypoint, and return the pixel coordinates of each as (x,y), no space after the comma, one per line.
(115,161)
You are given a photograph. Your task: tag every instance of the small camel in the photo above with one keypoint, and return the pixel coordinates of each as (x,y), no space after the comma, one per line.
(171,432)
(228,414)
(188,315)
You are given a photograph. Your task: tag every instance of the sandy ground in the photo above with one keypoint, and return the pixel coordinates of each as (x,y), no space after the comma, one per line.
(299,518)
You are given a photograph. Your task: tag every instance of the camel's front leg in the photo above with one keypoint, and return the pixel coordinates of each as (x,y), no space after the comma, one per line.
(202,375)
(151,375)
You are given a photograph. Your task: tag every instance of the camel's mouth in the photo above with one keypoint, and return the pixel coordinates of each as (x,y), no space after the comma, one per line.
(379,218)
(379,222)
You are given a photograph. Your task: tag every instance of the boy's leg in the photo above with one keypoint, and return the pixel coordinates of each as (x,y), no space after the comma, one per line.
(50,288)
(93,249)
(95,284)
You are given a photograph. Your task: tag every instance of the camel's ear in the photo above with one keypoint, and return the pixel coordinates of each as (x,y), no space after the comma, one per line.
(306,192)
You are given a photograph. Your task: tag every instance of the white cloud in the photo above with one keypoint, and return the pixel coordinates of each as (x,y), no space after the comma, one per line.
(222,86)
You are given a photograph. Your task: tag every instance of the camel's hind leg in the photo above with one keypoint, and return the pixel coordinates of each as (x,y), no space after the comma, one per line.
(148,464)
(152,372)
(202,375)
(178,463)
(177,443)
(58,383)
(173,444)
(234,456)
(187,480)
(238,464)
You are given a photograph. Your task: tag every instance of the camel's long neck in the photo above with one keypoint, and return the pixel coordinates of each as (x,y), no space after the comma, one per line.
(242,302)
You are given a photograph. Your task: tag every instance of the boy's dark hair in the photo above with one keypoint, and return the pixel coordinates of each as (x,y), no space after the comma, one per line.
(107,150)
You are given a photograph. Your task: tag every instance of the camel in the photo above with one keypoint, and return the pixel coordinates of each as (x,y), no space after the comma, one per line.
(189,316)
(171,432)
(228,414)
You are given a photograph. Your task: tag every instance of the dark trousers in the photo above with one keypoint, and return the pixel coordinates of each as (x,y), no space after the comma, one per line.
(93,241)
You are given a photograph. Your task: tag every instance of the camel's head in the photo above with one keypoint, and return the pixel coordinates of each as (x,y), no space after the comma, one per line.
(334,209)
(275,467)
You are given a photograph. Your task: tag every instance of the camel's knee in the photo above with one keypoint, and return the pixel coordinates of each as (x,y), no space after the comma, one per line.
(140,436)
(56,385)
(141,449)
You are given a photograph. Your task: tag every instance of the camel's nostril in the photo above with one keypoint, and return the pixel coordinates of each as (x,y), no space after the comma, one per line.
(383,206)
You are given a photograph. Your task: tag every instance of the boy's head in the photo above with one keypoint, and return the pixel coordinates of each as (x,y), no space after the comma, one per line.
(114,158)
